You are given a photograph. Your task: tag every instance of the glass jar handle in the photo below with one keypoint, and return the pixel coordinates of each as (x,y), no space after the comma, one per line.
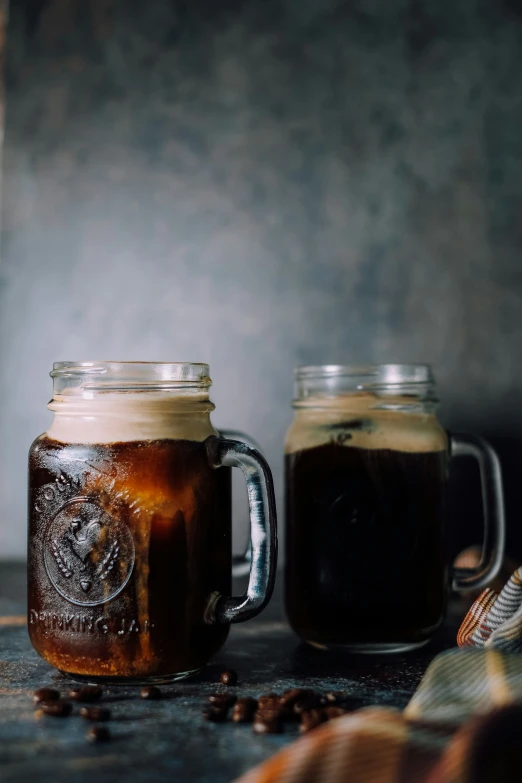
(263,531)
(493,506)
(241,562)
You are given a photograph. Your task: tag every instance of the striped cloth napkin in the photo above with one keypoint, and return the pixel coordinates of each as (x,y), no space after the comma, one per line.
(463,724)
(495,619)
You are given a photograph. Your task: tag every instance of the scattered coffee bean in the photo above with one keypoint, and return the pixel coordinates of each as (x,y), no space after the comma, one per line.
(85,693)
(270,706)
(335,697)
(95,713)
(222,699)
(45,694)
(267,726)
(215,714)
(334,712)
(98,734)
(309,702)
(289,698)
(274,711)
(268,713)
(229,677)
(150,692)
(244,710)
(310,719)
(59,708)
(270,700)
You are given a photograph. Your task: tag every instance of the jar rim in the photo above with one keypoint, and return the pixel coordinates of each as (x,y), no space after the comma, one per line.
(381,373)
(314,382)
(129,375)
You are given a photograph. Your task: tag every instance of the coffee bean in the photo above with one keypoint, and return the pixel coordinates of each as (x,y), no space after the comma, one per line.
(268,713)
(267,726)
(215,714)
(271,695)
(45,694)
(271,700)
(222,699)
(334,712)
(85,693)
(276,712)
(59,708)
(289,698)
(244,710)
(310,719)
(229,677)
(334,697)
(95,713)
(306,703)
(150,692)
(98,734)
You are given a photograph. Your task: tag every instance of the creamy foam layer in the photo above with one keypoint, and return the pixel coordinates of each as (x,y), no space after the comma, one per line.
(112,417)
(355,420)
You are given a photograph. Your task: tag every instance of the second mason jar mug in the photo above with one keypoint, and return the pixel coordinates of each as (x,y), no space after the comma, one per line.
(129,552)
(366,473)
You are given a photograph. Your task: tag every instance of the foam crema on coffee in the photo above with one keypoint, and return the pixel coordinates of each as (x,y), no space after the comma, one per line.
(114,417)
(361,421)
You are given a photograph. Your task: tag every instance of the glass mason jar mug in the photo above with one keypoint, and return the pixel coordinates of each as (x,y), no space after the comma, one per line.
(366,474)
(129,552)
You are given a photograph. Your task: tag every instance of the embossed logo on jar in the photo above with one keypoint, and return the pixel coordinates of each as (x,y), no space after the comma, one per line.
(88,554)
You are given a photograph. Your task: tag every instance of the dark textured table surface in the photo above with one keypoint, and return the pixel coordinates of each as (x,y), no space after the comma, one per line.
(167,740)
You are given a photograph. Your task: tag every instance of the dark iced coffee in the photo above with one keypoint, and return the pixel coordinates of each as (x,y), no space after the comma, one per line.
(366,565)
(366,557)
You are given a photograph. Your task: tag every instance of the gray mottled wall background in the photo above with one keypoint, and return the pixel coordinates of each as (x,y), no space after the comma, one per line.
(259,183)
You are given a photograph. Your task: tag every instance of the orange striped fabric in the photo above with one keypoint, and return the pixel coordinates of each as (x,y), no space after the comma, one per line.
(478,690)
(463,724)
(495,619)
(346,744)
(475,617)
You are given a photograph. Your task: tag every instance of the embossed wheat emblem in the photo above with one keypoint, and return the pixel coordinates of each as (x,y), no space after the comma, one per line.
(108,561)
(61,561)
(89,555)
